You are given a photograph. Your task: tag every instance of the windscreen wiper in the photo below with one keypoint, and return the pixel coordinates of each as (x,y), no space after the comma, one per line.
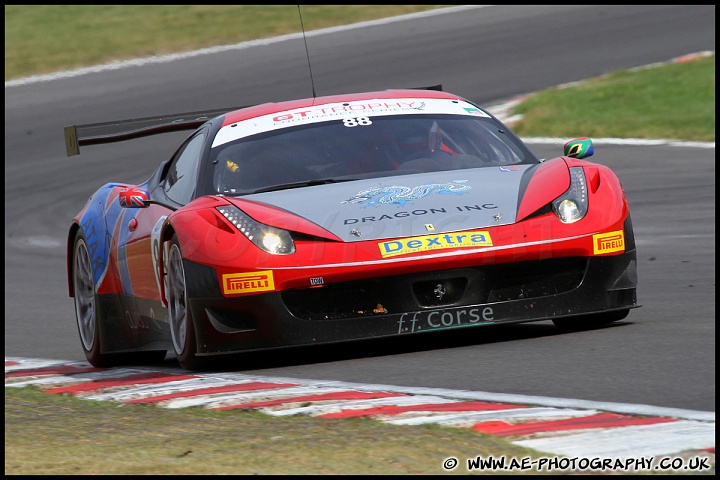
(306,183)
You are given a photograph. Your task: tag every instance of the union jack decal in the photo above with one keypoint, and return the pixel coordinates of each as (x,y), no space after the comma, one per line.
(133,197)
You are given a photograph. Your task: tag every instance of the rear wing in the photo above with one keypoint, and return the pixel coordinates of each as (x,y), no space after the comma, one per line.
(117,131)
(108,132)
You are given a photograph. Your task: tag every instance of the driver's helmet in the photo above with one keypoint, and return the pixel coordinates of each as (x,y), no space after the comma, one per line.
(417,138)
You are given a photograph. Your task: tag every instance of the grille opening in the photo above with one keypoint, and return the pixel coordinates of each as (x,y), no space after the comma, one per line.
(408,293)
(539,279)
(341,300)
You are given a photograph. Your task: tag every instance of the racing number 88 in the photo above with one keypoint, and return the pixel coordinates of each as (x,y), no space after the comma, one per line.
(354,122)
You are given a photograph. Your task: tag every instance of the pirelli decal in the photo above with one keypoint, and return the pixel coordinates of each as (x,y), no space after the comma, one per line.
(405,246)
(608,242)
(248,282)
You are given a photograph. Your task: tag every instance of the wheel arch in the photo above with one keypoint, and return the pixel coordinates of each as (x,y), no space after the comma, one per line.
(72,234)
(167,234)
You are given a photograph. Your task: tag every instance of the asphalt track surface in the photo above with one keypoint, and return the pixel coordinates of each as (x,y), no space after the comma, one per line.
(662,355)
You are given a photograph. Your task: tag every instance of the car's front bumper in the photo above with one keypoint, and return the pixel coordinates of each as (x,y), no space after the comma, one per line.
(412,303)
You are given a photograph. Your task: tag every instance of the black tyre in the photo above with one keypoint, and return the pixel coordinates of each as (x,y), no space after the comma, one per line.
(86,304)
(182,328)
(86,314)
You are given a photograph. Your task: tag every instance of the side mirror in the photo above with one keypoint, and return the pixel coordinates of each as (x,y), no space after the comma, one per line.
(579,148)
(134,197)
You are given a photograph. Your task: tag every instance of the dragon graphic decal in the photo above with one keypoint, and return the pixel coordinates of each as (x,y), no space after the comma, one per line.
(401,195)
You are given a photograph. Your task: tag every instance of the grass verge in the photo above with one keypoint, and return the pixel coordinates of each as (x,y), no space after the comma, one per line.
(42,39)
(63,435)
(669,101)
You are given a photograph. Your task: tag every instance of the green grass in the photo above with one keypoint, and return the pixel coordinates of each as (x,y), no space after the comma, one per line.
(43,39)
(58,435)
(671,101)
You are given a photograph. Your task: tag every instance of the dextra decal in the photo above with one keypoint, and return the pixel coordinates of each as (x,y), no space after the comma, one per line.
(248,282)
(608,242)
(405,246)
(401,195)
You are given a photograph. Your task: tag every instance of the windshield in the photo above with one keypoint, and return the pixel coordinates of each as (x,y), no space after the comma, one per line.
(363,147)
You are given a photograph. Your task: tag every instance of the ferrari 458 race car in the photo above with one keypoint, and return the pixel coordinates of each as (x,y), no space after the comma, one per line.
(341,218)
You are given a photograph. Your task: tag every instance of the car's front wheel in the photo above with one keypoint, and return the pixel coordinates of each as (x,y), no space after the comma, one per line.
(182,328)
(589,321)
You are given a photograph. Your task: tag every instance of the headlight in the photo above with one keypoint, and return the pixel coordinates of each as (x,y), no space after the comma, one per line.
(573,204)
(270,239)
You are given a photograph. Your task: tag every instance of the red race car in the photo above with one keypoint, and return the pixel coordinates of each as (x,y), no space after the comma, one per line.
(340,218)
